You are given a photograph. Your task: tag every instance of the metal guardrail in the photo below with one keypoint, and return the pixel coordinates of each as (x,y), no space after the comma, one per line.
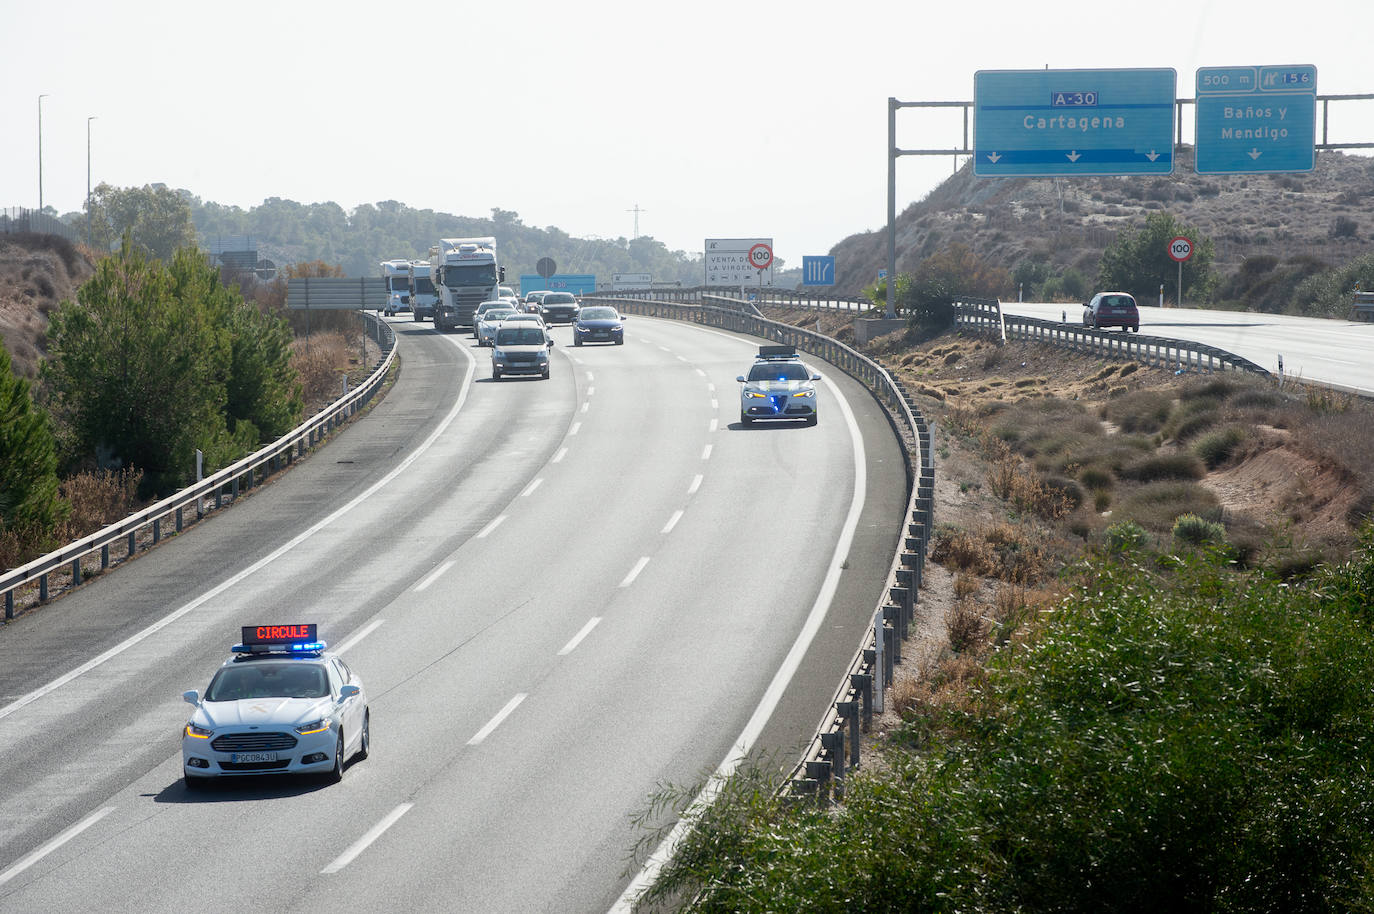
(835,745)
(227,483)
(985,314)
(771,297)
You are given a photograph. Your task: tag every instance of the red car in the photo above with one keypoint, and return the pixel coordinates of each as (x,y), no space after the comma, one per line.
(1112,309)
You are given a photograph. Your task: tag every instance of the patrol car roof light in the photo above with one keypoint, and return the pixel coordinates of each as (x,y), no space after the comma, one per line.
(777,352)
(305,647)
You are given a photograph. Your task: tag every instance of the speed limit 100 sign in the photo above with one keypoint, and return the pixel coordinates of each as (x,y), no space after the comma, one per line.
(1180,248)
(760,256)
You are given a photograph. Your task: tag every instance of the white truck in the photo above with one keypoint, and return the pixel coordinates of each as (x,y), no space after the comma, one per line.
(465,274)
(423,296)
(397,276)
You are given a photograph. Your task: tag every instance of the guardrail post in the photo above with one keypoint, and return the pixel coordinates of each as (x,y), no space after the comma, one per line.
(76,572)
(834,744)
(863,683)
(42,588)
(890,649)
(178,522)
(9,605)
(234,489)
(105,557)
(157,530)
(819,771)
(849,710)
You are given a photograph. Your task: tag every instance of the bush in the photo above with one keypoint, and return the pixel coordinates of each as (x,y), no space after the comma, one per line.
(1183,465)
(1191,530)
(1139,411)
(1156,505)
(1215,448)
(1127,536)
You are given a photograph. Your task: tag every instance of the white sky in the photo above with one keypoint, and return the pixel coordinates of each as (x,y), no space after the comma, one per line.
(718,119)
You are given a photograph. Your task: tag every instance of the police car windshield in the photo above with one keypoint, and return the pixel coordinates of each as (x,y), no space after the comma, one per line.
(268,679)
(778,371)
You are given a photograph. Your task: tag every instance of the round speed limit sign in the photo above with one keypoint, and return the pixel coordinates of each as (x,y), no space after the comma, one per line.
(1180,248)
(760,256)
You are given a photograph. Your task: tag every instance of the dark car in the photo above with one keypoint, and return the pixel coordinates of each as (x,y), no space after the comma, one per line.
(1112,309)
(559,306)
(598,324)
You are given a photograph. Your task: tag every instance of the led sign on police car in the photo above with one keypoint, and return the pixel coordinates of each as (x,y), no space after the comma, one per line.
(278,634)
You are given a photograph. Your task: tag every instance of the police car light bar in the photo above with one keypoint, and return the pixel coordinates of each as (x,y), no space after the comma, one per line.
(262,639)
(777,352)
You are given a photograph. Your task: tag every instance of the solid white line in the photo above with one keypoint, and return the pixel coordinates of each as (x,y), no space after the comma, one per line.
(634,572)
(433,576)
(745,743)
(496,522)
(682,358)
(496,721)
(366,840)
(706,452)
(558,458)
(261,563)
(529,489)
(54,844)
(696,484)
(577,638)
(672,522)
(362,633)
(585,404)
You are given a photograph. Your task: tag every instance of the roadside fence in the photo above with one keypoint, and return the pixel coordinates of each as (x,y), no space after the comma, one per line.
(146,528)
(17,220)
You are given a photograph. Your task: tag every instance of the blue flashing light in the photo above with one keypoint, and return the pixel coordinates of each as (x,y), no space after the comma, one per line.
(304,647)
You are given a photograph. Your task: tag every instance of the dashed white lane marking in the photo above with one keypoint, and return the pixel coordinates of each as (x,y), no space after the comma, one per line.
(696,484)
(496,522)
(366,840)
(577,638)
(529,489)
(672,522)
(634,572)
(576,427)
(558,458)
(706,452)
(362,633)
(715,424)
(55,843)
(433,576)
(495,722)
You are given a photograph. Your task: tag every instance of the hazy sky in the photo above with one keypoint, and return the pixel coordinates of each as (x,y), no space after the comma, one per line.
(723,120)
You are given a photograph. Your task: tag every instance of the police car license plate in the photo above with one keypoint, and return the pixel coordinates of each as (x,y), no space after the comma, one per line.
(243,757)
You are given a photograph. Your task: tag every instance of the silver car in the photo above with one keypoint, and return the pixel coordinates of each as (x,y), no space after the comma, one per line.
(485,330)
(520,347)
(779,386)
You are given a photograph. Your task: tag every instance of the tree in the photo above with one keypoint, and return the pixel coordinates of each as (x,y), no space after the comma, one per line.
(141,366)
(157,219)
(28,458)
(1138,261)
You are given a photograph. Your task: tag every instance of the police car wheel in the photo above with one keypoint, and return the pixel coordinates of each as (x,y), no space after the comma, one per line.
(811,420)
(194,783)
(336,773)
(747,420)
(365,744)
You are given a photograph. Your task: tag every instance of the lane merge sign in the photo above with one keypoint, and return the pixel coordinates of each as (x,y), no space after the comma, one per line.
(1256,120)
(818,271)
(1041,123)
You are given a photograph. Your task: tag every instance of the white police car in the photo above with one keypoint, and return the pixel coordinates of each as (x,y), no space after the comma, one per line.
(280,705)
(779,386)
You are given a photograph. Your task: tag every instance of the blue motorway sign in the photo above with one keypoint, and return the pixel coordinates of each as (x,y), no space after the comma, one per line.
(818,271)
(576,283)
(1073,122)
(1252,120)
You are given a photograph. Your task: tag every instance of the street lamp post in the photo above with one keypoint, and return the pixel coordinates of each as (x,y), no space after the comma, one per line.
(40,151)
(88,179)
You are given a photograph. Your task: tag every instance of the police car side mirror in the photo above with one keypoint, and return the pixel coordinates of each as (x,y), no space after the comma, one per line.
(349,691)
(815,376)
(191,697)
(740,379)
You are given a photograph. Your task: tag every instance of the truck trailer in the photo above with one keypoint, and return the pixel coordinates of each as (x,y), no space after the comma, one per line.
(465,275)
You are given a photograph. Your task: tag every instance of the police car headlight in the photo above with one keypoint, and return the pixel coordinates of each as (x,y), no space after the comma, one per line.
(804,393)
(755,395)
(315,726)
(198,732)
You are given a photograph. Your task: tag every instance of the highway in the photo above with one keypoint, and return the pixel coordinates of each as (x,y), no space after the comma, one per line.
(1312,349)
(561,594)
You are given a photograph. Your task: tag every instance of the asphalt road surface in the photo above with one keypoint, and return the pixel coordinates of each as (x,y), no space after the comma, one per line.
(560,594)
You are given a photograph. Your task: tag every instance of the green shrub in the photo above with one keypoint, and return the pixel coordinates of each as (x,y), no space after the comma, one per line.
(1182,465)
(1157,505)
(1139,411)
(1096,478)
(1216,447)
(1192,417)
(1191,530)
(1127,536)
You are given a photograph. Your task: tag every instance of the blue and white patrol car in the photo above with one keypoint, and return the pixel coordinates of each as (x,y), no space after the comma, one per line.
(779,386)
(281,705)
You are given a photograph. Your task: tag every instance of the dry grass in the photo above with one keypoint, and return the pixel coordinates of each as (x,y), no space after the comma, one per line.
(98,498)
(321,362)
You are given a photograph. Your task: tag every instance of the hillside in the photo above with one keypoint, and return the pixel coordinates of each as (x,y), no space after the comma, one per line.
(36,273)
(1323,215)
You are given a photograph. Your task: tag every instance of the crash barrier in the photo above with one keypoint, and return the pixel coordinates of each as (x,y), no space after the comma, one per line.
(835,746)
(766,296)
(226,485)
(986,315)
